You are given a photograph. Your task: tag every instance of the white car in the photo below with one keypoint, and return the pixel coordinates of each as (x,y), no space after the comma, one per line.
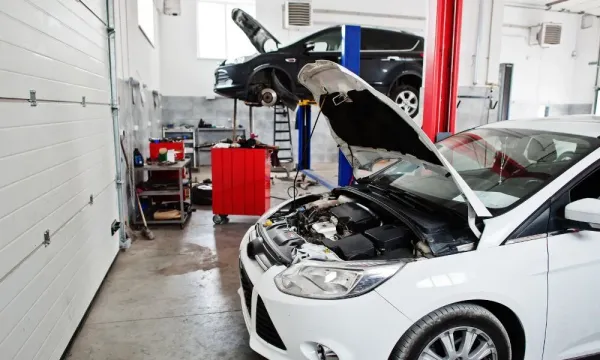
(482,246)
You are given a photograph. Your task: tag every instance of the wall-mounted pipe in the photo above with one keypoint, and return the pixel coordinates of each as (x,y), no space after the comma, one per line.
(489,50)
(114,103)
(368,14)
(596,82)
(545,8)
(477,41)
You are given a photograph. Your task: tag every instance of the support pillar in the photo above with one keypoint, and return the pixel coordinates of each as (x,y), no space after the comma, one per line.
(444,24)
(350,60)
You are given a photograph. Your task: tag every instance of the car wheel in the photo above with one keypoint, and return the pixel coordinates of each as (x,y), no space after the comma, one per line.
(407,97)
(455,332)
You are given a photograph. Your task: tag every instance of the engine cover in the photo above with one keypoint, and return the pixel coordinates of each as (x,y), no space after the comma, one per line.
(354,247)
(354,217)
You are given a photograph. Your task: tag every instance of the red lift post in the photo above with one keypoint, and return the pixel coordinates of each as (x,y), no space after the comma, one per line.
(441,66)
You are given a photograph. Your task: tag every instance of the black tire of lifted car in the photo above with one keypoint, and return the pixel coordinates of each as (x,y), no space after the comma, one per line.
(414,341)
(404,87)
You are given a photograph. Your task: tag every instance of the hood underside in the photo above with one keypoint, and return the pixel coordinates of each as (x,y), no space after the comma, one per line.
(255,32)
(369,126)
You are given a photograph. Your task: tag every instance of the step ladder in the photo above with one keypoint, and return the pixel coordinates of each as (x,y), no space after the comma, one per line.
(282,133)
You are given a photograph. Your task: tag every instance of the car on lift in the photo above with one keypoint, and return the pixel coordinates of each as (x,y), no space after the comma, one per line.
(483,246)
(391,61)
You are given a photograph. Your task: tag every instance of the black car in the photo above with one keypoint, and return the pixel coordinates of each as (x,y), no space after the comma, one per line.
(391,62)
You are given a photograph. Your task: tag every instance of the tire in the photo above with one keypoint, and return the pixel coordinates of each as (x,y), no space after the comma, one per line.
(460,318)
(407,97)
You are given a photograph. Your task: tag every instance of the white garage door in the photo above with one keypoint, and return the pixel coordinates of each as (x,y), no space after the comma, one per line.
(54,154)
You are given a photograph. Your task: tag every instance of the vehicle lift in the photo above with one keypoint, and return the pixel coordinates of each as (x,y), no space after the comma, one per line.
(440,88)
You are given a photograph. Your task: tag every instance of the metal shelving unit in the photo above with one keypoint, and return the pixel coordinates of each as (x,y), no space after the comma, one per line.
(180,191)
(188,135)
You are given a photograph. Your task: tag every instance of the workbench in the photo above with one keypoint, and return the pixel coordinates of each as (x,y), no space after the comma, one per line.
(212,135)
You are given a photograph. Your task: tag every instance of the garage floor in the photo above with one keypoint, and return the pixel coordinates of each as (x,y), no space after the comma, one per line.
(174,297)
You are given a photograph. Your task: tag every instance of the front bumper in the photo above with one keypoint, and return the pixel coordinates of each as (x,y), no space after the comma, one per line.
(228,82)
(284,327)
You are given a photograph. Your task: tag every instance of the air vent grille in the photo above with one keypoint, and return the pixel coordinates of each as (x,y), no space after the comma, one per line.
(551,34)
(298,14)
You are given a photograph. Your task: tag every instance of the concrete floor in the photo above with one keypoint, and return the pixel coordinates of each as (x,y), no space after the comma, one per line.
(174,297)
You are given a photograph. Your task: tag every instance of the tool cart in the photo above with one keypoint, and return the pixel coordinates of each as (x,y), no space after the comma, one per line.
(241,181)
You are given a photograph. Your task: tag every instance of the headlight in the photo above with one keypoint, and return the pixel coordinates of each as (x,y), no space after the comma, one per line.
(329,280)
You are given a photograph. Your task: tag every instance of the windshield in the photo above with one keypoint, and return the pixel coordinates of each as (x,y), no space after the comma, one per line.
(502,166)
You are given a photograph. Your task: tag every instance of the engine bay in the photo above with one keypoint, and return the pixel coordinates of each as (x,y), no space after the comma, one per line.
(344,229)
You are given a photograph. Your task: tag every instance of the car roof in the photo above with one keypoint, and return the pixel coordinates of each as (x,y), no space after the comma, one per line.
(582,125)
(383,29)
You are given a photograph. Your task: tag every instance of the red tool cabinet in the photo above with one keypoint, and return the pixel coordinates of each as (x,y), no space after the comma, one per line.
(241,181)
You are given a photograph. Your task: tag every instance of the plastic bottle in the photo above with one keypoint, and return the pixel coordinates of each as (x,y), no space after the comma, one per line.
(138,159)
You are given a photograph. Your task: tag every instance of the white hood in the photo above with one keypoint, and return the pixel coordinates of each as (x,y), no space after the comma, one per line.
(367,125)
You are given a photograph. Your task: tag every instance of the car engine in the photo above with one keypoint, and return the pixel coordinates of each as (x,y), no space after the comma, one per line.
(340,229)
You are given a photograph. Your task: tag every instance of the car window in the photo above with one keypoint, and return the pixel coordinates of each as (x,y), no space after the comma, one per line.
(379,39)
(588,187)
(327,41)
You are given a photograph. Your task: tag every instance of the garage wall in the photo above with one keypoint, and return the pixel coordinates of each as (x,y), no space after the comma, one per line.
(57,155)
(559,77)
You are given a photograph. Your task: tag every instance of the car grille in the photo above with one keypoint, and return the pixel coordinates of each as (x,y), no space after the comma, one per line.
(246,288)
(265,328)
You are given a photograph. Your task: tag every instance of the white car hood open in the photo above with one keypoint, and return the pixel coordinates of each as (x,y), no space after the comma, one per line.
(367,125)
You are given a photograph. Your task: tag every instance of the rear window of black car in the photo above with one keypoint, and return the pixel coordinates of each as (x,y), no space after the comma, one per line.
(379,39)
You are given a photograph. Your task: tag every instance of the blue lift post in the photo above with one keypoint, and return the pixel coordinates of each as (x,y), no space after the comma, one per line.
(351,61)
(303,123)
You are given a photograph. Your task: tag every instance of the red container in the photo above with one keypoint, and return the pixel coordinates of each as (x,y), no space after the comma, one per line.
(171,145)
(241,181)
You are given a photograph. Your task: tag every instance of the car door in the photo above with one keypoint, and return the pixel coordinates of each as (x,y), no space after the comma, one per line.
(384,55)
(573,329)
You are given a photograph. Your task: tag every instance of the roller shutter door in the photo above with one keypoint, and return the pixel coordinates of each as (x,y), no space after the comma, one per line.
(57,171)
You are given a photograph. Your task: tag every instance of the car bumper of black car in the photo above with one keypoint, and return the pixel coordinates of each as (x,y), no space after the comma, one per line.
(226,84)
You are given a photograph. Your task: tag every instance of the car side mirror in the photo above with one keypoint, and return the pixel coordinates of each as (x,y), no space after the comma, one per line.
(309,46)
(584,211)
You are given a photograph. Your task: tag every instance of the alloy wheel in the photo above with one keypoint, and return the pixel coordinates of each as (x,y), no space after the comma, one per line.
(408,101)
(460,343)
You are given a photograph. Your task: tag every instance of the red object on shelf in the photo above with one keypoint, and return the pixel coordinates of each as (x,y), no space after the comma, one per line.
(171,145)
(241,181)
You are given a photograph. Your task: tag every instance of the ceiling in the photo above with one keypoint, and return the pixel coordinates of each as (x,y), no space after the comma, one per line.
(586,6)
